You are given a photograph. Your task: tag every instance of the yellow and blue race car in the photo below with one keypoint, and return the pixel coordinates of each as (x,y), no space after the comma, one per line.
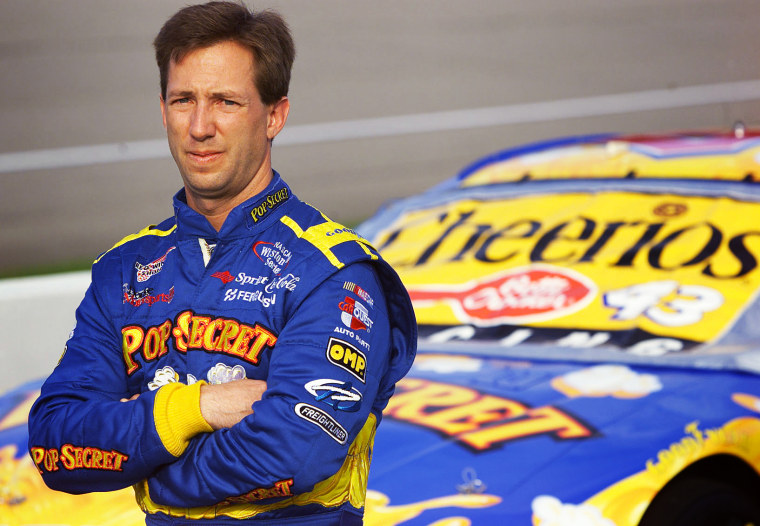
(589,345)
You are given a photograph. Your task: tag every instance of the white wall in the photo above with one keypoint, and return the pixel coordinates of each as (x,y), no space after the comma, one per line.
(36,317)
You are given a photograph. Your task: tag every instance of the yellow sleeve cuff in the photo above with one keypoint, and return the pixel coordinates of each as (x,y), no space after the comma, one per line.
(177,415)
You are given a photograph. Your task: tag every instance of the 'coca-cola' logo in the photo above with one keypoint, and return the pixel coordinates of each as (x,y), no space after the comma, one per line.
(524,294)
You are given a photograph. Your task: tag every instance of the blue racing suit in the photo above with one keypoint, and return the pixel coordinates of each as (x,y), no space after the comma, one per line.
(280,294)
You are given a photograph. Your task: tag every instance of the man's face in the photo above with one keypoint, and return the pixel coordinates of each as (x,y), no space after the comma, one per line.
(218,128)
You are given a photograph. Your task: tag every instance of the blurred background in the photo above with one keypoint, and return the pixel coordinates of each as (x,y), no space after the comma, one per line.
(387,99)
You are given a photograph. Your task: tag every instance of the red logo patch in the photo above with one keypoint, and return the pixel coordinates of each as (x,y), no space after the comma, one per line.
(225,276)
(525,294)
(145,272)
(354,315)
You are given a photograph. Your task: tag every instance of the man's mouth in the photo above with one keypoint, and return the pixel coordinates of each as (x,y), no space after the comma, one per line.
(203,157)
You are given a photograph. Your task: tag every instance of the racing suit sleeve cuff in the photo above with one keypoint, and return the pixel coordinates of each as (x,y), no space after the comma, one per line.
(177,415)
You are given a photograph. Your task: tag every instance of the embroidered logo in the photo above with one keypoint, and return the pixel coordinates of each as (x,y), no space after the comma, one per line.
(354,315)
(269,203)
(341,396)
(356,289)
(225,276)
(273,255)
(222,374)
(347,357)
(145,296)
(163,376)
(323,420)
(145,272)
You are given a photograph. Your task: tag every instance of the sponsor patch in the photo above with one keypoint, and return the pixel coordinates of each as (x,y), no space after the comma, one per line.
(222,374)
(251,296)
(145,272)
(347,357)
(287,282)
(269,203)
(341,230)
(341,396)
(318,417)
(72,457)
(273,255)
(145,296)
(165,375)
(346,332)
(189,330)
(281,488)
(245,279)
(225,276)
(355,315)
(363,294)
(266,291)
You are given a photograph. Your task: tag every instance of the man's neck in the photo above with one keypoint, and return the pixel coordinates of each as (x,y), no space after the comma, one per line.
(215,217)
(216,210)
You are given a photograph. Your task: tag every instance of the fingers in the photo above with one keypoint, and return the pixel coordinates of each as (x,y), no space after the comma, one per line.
(224,405)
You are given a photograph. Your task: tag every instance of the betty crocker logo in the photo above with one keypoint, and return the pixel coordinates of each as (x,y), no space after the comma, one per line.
(524,294)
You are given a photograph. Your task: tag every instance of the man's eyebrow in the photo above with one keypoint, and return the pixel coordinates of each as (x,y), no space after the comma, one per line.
(177,93)
(216,94)
(226,95)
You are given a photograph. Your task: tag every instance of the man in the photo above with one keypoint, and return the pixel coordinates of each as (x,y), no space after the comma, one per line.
(232,362)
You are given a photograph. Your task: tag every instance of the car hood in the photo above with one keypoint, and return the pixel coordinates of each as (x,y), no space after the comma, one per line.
(486,434)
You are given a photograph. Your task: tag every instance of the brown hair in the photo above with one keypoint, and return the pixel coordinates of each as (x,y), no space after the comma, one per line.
(265,33)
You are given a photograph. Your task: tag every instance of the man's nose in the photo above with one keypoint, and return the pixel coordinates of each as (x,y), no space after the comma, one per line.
(202,124)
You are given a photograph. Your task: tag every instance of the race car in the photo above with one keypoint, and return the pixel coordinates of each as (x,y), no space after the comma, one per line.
(589,347)
(589,338)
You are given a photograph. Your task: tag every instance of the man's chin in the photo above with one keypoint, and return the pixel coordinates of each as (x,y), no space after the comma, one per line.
(197,173)
(204,186)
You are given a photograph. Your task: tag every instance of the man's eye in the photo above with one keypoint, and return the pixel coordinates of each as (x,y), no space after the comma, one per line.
(227,102)
(183,100)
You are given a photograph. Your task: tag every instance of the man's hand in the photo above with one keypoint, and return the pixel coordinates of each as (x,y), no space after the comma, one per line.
(224,405)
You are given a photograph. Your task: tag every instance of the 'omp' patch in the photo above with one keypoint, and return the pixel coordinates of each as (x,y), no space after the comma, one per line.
(347,357)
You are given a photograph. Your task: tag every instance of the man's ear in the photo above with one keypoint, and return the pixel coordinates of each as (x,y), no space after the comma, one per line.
(278,114)
(163,109)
